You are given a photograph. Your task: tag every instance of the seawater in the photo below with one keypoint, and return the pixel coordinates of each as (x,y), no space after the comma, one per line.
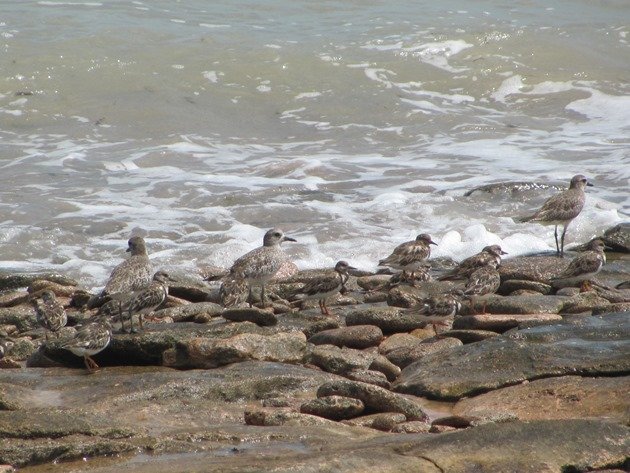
(352,125)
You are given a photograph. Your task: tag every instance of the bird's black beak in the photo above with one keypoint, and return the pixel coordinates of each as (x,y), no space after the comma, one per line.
(286,238)
(504,252)
(431,242)
(589,184)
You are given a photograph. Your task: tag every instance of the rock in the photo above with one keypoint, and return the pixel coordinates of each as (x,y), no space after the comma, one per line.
(190,287)
(384,421)
(17,281)
(375,297)
(404,356)
(617,307)
(618,237)
(371,283)
(396,341)
(23,317)
(375,398)
(590,346)
(266,417)
(22,348)
(358,336)
(586,302)
(250,314)
(413,427)
(409,296)
(60,290)
(369,376)
(455,421)
(532,268)
(382,364)
(511,285)
(339,360)
(526,304)
(502,322)
(388,319)
(189,312)
(470,336)
(319,325)
(211,353)
(566,397)
(333,407)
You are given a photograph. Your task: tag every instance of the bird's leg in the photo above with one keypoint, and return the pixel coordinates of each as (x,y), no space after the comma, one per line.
(140,320)
(90,364)
(586,286)
(412,281)
(562,242)
(555,234)
(262,294)
(321,307)
(326,311)
(250,297)
(121,318)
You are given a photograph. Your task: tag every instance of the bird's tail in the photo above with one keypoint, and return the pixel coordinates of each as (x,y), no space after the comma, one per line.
(523,219)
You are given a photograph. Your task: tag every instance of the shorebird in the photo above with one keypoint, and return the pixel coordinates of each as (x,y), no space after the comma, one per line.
(50,313)
(89,340)
(260,265)
(489,256)
(583,267)
(132,274)
(561,209)
(439,306)
(325,285)
(410,256)
(485,280)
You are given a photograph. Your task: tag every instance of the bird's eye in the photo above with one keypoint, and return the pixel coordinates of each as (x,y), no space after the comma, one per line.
(276,234)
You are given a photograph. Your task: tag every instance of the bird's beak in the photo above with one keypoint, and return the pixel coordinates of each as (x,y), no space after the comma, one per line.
(504,252)
(431,242)
(286,238)
(589,184)
(352,268)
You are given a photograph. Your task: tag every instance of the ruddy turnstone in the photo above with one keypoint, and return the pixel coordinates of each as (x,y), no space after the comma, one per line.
(438,307)
(583,267)
(410,256)
(89,340)
(134,273)
(50,313)
(485,280)
(260,265)
(489,256)
(561,209)
(326,285)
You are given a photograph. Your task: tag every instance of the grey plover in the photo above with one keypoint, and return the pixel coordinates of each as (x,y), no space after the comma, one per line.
(583,267)
(261,264)
(326,285)
(89,340)
(410,256)
(132,274)
(148,299)
(561,209)
(488,256)
(483,281)
(49,312)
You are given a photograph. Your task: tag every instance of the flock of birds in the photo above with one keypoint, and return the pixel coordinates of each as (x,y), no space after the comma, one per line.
(133,290)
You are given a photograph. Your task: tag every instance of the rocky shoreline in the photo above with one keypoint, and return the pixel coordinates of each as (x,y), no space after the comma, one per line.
(540,382)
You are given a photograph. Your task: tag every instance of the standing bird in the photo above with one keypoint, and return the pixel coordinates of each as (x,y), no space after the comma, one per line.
(410,256)
(583,267)
(489,256)
(261,264)
(561,209)
(132,274)
(50,313)
(326,285)
(89,340)
(485,280)
(439,306)
(148,299)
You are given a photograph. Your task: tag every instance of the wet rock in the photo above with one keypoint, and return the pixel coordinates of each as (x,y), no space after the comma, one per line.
(319,325)
(409,296)
(382,364)
(22,348)
(60,290)
(511,285)
(532,268)
(412,427)
(250,314)
(396,341)
(337,360)
(597,347)
(618,307)
(17,281)
(266,417)
(502,322)
(23,317)
(190,287)
(210,353)
(375,398)
(586,302)
(404,356)
(470,336)
(189,312)
(384,421)
(371,283)
(333,407)
(358,336)
(369,376)
(388,319)
(566,397)
(527,304)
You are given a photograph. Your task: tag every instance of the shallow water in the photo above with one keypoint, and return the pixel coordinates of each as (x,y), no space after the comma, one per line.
(352,125)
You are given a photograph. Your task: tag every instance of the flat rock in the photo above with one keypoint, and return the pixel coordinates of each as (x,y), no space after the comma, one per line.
(408,296)
(384,421)
(16,281)
(590,346)
(396,341)
(412,427)
(23,317)
(250,314)
(500,323)
(524,304)
(388,319)
(369,376)
(532,268)
(586,302)
(333,407)
(509,286)
(337,360)
(370,283)
(566,397)
(357,336)
(375,398)
(189,312)
(470,336)
(275,417)
(404,356)
(382,364)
